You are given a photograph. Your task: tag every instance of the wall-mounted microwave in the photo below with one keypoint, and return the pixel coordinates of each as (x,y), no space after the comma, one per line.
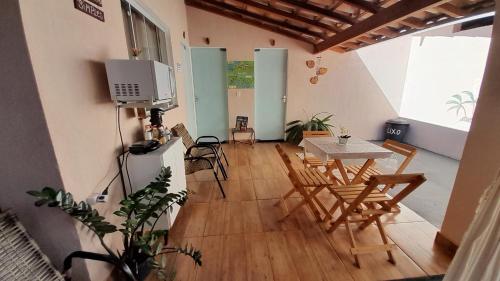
(140,81)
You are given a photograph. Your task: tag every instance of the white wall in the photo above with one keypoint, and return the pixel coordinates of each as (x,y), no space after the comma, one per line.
(442,140)
(388,64)
(439,68)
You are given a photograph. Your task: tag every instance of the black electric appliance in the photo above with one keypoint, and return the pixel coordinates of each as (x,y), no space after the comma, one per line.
(144,147)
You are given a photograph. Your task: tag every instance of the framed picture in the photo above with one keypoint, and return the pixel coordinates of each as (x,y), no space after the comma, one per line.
(241,123)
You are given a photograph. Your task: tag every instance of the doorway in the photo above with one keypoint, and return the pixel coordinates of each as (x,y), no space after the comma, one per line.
(270,93)
(210,91)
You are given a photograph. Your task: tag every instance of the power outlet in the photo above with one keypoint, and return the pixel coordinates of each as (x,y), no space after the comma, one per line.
(95,198)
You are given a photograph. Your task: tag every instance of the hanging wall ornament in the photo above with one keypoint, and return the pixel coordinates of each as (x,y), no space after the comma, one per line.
(322,71)
(310,63)
(319,69)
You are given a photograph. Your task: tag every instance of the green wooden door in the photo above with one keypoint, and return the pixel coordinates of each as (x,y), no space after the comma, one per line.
(210,91)
(270,93)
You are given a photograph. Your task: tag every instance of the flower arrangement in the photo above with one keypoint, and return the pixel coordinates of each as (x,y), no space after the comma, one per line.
(344,135)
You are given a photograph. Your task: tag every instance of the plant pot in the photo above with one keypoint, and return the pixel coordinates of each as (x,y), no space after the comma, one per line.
(140,274)
(343,141)
(143,271)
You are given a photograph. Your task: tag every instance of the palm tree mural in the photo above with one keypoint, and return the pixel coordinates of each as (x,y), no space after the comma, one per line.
(458,102)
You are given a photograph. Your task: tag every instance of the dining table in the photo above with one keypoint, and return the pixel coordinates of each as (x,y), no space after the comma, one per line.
(328,148)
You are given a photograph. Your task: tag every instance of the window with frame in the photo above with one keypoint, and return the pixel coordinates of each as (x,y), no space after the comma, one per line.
(152,40)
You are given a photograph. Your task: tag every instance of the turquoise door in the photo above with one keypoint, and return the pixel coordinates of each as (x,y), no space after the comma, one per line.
(210,91)
(270,93)
(189,92)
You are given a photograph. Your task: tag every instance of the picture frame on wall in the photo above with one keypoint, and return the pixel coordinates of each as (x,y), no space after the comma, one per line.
(241,123)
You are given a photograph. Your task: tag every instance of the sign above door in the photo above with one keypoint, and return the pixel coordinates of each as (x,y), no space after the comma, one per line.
(90,9)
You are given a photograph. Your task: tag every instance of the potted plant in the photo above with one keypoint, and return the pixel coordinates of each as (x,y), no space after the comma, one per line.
(344,136)
(144,247)
(295,128)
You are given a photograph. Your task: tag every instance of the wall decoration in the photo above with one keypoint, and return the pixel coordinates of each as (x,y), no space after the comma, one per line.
(240,75)
(462,102)
(90,9)
(319,69)
(310,63)
(97,2)
(241,123)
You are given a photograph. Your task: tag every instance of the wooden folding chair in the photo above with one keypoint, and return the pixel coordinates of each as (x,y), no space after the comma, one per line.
(308,183)
(367,204)
(313,161)
(405,150)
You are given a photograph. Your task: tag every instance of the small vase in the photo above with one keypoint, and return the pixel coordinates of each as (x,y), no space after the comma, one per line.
(343,141)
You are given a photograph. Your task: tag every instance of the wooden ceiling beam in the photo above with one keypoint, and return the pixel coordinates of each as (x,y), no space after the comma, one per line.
(350,45)
(414,23)
(451,10)
(363,5)
(240,18)
(387,16)
(291,16)
(387,31)
(339,49)
(265,19)
(319,11)
(367,39)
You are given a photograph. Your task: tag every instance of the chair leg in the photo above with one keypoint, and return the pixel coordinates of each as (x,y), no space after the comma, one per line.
(339,221)
(332,210)
(224,154)
(306,200)
(384,238)
(352,242)
(323,208)
(309,197)
(220,185)
(221,167)
(366,223)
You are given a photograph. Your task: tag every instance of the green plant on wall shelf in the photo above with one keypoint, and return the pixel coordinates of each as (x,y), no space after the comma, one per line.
(295,128)
(458,103)
(144,247)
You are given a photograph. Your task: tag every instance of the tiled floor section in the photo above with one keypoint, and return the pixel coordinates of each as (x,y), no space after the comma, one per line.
(241,239)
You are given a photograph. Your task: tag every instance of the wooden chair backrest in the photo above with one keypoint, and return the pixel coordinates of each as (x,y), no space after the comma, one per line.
(288,163)
(284,157)
(316,134)
(180,131)
(412,181)
(406,150)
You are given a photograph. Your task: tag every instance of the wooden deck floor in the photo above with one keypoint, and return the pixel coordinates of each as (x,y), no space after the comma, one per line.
(241,239)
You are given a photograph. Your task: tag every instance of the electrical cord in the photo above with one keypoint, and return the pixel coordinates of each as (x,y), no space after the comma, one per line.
(106,190)
(120,129)
(123,150)
(126,170)
(121,162)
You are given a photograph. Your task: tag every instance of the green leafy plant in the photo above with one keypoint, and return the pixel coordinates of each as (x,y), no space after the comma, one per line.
(458,103)
(295,128)
(143,246)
